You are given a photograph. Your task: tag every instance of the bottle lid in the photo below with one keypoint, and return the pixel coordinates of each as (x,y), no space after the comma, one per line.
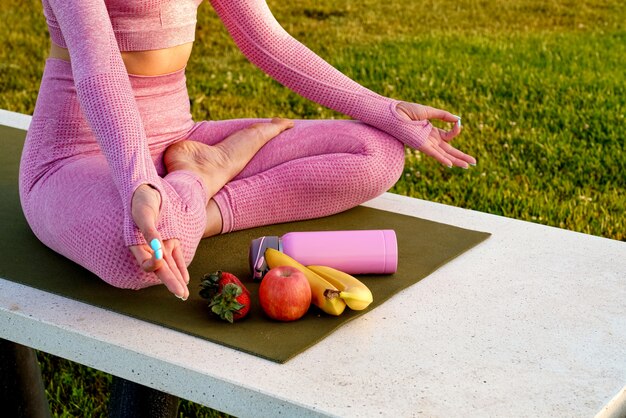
(258,266)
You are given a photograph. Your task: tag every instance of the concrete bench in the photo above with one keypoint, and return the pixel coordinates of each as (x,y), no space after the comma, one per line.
(531,322)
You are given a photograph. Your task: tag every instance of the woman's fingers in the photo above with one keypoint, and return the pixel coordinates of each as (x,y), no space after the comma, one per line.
(177,254)
(452,133)
(179,270)
(437,146)
(153,238)
(168,271)
(172,280)
(448,149)
(461,158)
(436,153)
(149,257)
(434,113)
(145,258)
(445,153)
(170,268)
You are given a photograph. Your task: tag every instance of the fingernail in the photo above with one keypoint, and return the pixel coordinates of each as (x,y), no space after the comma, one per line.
(458,120)
(155,244)
(181,297)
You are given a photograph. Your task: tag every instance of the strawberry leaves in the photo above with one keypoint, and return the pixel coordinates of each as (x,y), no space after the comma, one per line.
(225,303)
(228,297)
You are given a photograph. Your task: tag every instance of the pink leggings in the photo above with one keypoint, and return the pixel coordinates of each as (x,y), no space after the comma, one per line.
(317,168)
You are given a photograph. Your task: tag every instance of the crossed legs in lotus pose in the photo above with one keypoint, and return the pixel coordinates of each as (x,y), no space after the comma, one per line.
(261,172)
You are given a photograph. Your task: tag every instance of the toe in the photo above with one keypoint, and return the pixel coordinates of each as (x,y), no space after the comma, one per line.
(268,130)
(283,123)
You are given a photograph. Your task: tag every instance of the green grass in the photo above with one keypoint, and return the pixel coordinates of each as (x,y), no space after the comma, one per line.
(540,86)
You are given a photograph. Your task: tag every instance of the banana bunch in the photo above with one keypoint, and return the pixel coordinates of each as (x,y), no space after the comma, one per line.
(356,295)
(331,289)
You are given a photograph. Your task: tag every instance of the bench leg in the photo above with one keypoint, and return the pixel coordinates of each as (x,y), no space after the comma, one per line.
(132,400)
(22,392)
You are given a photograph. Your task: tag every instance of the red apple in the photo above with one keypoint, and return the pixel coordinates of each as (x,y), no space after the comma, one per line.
(285,293)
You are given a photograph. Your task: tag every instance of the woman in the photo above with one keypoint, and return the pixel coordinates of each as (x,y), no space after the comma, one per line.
(113,161)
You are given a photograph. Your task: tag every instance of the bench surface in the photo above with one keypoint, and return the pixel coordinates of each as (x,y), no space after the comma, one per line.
(531,322)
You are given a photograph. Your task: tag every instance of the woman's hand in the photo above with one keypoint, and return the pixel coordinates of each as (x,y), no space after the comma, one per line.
(170,267)
(437,145)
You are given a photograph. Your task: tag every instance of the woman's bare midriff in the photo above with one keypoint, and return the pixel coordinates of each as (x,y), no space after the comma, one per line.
(147,63)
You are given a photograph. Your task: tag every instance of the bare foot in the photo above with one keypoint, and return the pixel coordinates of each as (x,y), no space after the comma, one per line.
(218,164)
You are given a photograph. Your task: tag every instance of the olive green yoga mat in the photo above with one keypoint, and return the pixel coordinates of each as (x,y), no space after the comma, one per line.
(423,247)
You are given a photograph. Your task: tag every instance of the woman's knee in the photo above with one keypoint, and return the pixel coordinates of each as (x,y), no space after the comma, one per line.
(384,160)
(104,253)
(120,269)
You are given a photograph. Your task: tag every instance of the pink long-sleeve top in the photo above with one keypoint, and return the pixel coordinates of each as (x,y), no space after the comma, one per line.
(95,31)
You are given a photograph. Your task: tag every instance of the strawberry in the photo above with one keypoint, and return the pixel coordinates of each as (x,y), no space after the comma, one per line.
(228,297)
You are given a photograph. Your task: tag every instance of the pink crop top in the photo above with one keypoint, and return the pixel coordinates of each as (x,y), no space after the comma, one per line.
(94,32)
(141,25)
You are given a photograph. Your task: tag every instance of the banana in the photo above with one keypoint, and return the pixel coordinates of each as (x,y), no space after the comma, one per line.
(330,305)
(350,289)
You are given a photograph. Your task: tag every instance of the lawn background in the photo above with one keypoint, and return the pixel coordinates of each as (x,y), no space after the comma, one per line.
(540,86)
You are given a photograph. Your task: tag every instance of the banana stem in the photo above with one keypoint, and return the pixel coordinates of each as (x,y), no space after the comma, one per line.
(331,294)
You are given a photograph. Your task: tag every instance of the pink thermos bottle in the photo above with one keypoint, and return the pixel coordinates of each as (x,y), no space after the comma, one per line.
(353,252)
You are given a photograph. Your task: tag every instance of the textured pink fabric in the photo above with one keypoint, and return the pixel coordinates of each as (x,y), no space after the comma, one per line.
(139,25)
(315,169)
(98,133)
(71,203)
(269,46)
(107,101)
(67,188)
